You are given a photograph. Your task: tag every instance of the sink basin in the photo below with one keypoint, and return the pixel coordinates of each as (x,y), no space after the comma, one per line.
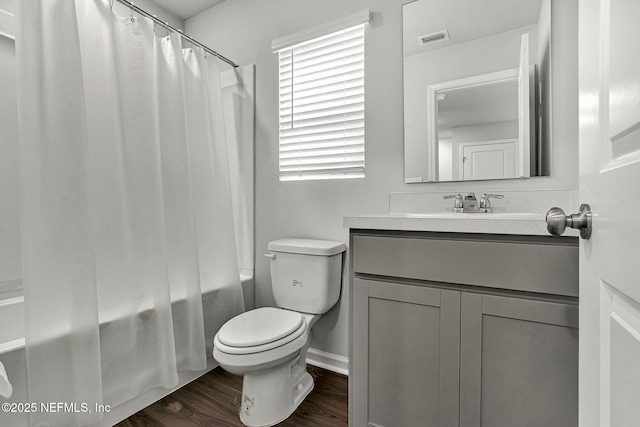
(483,216)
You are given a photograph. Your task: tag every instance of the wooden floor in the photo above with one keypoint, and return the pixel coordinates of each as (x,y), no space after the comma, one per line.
(213,400)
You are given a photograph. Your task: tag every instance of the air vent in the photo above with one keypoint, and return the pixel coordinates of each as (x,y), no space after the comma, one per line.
(433,37)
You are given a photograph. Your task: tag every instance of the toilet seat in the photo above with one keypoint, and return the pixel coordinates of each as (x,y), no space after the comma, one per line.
(260,330)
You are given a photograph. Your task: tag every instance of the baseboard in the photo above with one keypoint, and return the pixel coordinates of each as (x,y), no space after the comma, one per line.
(328,361)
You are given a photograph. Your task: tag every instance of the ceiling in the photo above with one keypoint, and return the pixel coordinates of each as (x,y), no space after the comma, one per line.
(465,20)
(185,9)
(478,105)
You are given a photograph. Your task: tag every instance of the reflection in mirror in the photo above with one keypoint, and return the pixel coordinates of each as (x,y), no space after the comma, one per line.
(476,89)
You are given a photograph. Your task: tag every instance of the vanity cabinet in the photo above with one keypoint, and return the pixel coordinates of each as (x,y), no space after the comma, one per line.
(454,329)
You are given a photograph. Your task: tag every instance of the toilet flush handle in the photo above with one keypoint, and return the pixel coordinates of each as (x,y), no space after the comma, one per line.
(270,256)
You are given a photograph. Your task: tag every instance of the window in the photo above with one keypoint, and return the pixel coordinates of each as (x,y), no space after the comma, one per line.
(321,106)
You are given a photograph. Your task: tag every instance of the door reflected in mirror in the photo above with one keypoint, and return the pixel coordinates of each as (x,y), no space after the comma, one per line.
(483,122)
(476,98)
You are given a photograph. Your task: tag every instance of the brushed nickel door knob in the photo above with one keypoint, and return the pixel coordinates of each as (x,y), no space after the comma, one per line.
(557,221)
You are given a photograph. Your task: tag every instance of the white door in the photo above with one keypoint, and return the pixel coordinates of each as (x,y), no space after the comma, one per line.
(610,182)
(488,159)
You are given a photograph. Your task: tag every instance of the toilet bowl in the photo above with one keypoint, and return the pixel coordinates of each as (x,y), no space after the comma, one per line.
(275,376)
(268,345)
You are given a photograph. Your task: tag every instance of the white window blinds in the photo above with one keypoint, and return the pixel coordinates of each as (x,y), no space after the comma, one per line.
(322,107)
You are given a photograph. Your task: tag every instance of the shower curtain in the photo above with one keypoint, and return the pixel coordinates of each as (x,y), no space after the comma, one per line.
(126,207)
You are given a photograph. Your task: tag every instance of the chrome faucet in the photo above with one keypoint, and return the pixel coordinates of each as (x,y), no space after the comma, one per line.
(469,203)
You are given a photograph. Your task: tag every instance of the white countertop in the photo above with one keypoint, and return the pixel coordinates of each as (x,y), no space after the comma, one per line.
(491,223)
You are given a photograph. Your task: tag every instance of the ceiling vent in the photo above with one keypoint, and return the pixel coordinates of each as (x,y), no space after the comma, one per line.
(433,37)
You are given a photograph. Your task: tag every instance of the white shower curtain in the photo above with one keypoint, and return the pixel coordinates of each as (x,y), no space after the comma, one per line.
(126,206)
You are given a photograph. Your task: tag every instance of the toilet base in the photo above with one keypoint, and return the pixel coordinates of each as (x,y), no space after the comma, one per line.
(272,395)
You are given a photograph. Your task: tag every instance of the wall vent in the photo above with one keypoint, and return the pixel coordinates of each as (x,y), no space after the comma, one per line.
(433,37)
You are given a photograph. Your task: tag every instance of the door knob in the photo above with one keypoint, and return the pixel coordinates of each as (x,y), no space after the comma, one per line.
(557,221)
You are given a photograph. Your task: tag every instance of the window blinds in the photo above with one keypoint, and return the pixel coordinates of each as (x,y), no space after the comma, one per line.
(322,107)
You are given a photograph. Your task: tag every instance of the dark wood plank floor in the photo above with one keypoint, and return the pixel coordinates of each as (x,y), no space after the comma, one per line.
(213,400)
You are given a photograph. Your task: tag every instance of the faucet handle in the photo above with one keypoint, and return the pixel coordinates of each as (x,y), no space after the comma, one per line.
(457,203)
(485,204)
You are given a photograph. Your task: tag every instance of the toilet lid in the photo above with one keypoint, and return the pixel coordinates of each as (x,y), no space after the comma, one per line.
(260,326)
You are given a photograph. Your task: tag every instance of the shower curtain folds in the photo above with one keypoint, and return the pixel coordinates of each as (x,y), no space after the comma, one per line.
(126,213)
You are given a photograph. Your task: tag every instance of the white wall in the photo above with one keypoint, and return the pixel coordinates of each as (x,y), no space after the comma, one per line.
(243,30)
(485,132)
(445,159)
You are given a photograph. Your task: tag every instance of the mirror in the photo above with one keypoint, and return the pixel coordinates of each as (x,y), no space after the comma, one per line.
(476,89)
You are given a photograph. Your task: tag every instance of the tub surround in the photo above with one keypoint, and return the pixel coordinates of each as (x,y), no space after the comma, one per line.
(10,289)
(248,289)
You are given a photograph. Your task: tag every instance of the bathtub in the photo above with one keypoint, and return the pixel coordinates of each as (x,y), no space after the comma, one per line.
(12,355)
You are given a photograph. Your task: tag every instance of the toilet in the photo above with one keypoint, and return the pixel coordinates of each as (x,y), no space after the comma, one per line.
(268,345)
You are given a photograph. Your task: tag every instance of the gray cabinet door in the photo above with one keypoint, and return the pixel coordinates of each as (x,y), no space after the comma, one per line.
(518,362)
(406,347)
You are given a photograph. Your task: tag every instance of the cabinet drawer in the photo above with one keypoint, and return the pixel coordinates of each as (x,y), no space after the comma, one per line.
(524,265)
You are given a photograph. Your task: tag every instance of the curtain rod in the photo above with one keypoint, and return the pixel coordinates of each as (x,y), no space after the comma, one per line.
(166,25)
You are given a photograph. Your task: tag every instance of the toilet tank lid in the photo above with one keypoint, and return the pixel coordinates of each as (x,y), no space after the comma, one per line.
(307,246)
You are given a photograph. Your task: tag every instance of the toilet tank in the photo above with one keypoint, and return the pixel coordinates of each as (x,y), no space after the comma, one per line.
(306,274)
